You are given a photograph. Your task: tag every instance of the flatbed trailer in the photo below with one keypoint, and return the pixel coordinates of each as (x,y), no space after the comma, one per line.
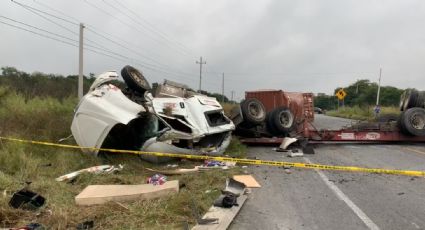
(361,133)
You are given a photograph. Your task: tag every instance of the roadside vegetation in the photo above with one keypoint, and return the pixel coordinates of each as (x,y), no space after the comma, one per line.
(363,113)
(40,116)
(360,101)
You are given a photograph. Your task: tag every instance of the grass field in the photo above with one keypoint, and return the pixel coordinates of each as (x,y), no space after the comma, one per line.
(48,119)
(362,113)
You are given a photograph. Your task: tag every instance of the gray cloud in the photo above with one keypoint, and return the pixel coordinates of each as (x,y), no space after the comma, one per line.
(292,45)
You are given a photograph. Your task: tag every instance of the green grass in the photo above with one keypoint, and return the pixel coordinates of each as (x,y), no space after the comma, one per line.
(361,113)
(50,119)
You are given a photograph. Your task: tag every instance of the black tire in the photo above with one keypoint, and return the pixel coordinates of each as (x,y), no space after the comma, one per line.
(282,120)
(413,121)
(135,79)
(270,125)
(411,99)
(420,101)
(253,111)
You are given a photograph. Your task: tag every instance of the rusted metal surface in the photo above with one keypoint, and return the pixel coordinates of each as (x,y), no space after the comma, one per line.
(300,104)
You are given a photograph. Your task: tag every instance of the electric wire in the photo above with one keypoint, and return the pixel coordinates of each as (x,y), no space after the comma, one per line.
(131,26)
(120,57)
(159,34)
(95,44)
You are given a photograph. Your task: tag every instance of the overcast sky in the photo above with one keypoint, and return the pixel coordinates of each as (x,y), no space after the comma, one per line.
(301,45)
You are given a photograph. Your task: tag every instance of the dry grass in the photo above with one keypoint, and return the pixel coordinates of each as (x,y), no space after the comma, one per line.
(50,120)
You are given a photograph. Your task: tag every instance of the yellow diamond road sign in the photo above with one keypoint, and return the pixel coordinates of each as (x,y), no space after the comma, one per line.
(341,94)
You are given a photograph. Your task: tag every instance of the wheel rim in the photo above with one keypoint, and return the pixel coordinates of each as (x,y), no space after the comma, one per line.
(138,78)
(285,119)
(418,121)
(255,110)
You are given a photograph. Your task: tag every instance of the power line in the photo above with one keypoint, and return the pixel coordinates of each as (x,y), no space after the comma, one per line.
(152,29)
(94,32)
(129,25)
(120,58)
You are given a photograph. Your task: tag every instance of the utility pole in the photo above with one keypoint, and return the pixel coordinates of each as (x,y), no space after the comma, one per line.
(222,90)
(200,71)
(379,86)
(80,63)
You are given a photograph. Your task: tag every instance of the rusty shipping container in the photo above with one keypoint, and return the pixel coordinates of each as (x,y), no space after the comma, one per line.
(300,104)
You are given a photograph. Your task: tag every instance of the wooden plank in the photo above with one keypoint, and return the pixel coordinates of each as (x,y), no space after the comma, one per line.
(225,216)
(100,194)
(248,180)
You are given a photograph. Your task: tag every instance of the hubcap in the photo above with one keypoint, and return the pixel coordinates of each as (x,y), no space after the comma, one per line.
(418,121)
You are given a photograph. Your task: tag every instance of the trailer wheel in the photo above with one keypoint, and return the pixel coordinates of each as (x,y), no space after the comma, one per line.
(420,101)
(135,79)
(253,111)
(411,99)
(270,125)
(282,119)
(413,121)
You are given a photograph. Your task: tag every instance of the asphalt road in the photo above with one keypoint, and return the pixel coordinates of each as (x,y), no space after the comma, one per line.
(310,199)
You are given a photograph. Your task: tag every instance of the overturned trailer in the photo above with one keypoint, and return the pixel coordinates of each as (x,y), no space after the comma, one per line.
(174,119)
(294,118)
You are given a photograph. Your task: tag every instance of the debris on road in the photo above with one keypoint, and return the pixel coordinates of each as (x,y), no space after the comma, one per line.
(248,180)
(174,172)
(100,194)
(157,179)
(295,153)
(95,169)
(26,199)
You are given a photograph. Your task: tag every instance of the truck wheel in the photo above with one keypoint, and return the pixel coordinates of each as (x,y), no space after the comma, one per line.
(420,101)
(135,79)
(253,111)
(282,119)
(270,125)
(413,121)
(411,99)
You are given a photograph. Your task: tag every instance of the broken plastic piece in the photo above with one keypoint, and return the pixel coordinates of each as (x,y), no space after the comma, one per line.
(95,169)
(287,141)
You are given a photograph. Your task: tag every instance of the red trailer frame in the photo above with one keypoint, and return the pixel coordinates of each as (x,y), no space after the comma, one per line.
(378,132)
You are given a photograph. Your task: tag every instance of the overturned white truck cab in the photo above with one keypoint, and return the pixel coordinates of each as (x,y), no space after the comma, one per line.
(170,118)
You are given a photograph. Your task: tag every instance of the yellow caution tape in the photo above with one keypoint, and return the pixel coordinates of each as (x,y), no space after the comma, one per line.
(237,160)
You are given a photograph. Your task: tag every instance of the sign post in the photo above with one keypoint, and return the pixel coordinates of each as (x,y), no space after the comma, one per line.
(341,94)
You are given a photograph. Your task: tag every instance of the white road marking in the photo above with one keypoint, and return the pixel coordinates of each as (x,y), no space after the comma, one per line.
(369,223)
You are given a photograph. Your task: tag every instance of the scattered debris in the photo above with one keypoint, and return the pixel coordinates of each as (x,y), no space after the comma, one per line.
(89,224)
(100,194)
(30,226)
(224,216)
(400,193)
(248,180)
(157,179)
(211,164)
(174,172)
(286,142)
(95,169)
(226,201)
(199,219)
(172,165)
(26,199)
(287,171)
(234,187)
(295,153)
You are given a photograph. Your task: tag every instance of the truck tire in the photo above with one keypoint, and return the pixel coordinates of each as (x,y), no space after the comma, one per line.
(135,79)
(282,120)
(253,111)
(413,121)
(420,101)
(270,125)
(411,99)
